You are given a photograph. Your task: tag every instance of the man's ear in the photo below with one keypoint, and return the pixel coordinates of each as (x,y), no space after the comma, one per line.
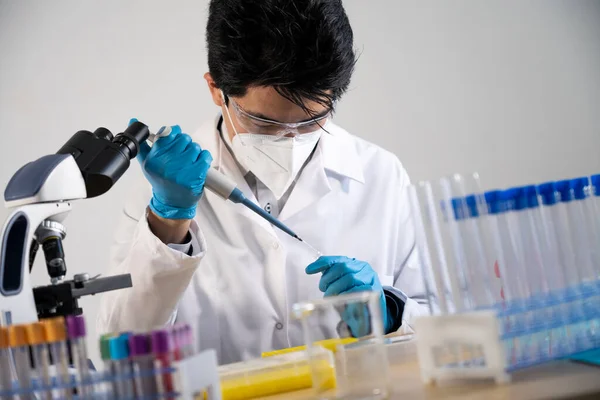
(215,92)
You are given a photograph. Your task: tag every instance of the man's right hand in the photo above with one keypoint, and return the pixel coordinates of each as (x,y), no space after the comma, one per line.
(176,167)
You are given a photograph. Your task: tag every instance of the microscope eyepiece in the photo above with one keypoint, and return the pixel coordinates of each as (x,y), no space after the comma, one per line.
(103,133)
(129,141)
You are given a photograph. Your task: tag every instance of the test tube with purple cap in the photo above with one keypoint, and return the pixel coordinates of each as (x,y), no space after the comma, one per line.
(143,366)
(163,359)
(76,331)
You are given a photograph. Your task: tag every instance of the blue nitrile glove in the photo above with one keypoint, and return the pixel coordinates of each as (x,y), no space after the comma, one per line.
(347,275)
(176,168)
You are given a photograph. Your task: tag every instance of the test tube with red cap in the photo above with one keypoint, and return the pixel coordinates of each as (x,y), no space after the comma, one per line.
(76,331)
(143,365)
(163,359)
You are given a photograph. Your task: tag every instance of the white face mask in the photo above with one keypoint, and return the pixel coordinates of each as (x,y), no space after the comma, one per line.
(275,162)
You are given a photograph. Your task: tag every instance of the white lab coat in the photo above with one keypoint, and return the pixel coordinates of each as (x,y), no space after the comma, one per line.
(238,288)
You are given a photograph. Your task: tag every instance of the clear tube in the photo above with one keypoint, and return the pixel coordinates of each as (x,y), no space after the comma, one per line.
(58,350)
(5,370)
(145,382)
(427,272)
(532,254)
(21,358)
(479,266)
(41,361)
(592,220)
(511,249)
(124,379)
(458,271)
(79,354)
(110,384)
(578,223)
(446,281)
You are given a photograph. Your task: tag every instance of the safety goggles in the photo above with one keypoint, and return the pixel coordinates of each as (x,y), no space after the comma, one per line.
(257,125)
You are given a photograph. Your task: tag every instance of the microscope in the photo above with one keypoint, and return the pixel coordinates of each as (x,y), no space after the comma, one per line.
(40,196)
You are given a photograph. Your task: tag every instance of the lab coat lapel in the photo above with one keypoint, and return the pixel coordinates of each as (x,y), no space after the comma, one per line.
(335,156)
(311,186)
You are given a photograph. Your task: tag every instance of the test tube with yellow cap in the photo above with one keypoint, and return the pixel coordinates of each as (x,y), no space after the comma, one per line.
(17,341)
(55,331)
(36,339)
(5,369)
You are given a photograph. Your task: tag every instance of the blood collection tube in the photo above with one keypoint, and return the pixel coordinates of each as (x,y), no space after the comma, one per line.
(163,359)
(36,339)
(55,331)
(76,330)
(5,368)
(143,366)
(188,337)
(123,376)
(109,371)
(176,342)
(17,340)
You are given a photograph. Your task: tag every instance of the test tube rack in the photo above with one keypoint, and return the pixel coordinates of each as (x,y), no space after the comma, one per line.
(493,343)
(194,377)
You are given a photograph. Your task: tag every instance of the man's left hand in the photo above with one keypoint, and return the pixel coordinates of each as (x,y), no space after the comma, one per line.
(343,275)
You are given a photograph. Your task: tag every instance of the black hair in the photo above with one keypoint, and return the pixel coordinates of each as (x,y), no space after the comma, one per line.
(302,48)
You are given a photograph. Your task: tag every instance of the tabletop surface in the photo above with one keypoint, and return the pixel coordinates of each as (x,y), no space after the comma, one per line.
(555,380)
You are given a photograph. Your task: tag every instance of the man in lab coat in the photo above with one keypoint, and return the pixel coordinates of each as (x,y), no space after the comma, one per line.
(276,70)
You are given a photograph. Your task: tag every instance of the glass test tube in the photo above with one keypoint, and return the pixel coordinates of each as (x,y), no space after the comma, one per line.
(5,368)
(163,359)
(477,260)
(457,265)
(578,224)
(55,331)
(143,366)
(36,339)
(508,267)
(526,204)
(123,377)
(77,331)
(595,199)
(445,280)
(430,283)
(17,341)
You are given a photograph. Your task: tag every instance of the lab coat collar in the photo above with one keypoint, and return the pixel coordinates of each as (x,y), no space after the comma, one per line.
(336,153)
(338,149)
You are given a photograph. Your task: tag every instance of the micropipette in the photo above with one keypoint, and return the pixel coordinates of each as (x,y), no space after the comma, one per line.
(225,188)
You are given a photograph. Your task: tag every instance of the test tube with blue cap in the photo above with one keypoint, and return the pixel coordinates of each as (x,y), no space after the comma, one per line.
(225,188)
(578,223)
(123,378)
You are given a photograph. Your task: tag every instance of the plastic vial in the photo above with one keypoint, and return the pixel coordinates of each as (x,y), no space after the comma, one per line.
(109,372)
(5,368)
(142,361)
(123,374)
(55,331)
(163,360)
(36,338)
(76,330)
(17,341)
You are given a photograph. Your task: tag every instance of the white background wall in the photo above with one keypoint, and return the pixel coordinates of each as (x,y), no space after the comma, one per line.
(508,88)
